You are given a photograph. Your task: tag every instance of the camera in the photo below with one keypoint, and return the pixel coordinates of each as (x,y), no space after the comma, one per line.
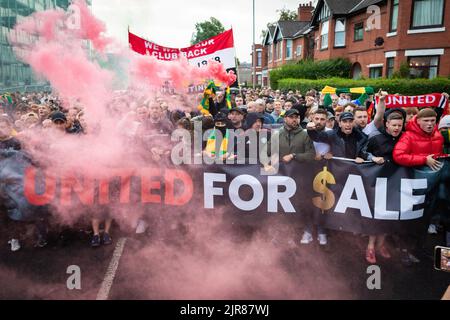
(442,258)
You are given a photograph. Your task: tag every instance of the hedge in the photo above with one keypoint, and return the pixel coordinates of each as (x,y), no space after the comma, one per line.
(309,69)
(402,86)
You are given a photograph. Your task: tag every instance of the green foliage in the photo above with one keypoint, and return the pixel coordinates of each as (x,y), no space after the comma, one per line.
(309,69)
(409,87)
(206,29)
(404,70)
(287,15)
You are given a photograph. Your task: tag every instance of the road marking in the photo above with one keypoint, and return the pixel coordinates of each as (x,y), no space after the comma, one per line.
(103,293)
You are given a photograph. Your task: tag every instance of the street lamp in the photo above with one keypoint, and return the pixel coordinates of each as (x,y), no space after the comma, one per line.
(254,49)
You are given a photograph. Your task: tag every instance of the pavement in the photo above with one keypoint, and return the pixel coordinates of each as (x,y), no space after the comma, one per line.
(220,262)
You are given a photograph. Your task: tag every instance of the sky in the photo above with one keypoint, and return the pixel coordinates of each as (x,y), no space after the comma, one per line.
(171,23)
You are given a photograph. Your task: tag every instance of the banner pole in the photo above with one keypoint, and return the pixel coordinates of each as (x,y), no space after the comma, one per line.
(236,64)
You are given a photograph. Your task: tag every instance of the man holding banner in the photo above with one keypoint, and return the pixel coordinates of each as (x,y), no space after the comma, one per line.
(421,143)
(346,142)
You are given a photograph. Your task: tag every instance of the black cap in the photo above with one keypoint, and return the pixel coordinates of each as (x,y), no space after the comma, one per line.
(58,115)
(236,109)
(346,116)
(291,112)
(220,117)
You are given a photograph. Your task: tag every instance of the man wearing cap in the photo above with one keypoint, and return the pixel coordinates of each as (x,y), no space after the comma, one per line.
(59,120)
(331,120)
(294,143)
(421,142)
(346,142)
(236,117)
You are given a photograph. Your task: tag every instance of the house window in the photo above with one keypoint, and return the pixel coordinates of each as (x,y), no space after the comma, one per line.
(288,49)
(258,79)
(428,13)
(423,67)
(390,67)
(269,53)
(259,58)
(278,50)
(299,51)
(325,13)
(339,30)
(359,32)
(394,16)
(375,72)
(324,35)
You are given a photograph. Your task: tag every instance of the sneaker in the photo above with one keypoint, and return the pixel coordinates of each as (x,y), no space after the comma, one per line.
(370,256)
(405,258)
(106,238)
(95,242)
(141,226)
(413,258)
(42,242)
(15,244)
(408,258)
(322,238)
(306,238)
(432,229)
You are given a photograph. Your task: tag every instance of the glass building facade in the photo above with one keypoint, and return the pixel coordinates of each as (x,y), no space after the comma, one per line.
(15,75)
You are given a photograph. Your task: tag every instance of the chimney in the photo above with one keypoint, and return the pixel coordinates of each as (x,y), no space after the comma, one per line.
(305,12)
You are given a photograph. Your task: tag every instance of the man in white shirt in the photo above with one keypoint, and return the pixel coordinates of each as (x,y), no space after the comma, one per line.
(319,117)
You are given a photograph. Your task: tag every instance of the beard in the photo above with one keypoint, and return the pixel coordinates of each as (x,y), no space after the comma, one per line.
(293,126)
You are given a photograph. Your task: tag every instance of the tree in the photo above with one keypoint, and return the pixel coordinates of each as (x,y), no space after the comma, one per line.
(206,29)
(263,32)
(287,15)
(284,15)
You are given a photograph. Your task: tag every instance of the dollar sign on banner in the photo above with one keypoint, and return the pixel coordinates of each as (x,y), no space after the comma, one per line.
(326,201)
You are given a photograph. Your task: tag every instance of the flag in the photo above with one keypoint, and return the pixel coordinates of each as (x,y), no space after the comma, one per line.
(327,101)
(362,99)
(8,97)
(209,92)
(360,90)
(228,97)
(211,143)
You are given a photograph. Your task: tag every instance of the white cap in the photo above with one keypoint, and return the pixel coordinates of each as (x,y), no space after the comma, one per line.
(445,122)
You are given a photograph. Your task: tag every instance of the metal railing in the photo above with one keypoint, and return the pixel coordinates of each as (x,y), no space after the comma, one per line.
(26,88)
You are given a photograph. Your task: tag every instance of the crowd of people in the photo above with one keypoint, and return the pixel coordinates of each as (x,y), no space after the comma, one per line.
(307,131)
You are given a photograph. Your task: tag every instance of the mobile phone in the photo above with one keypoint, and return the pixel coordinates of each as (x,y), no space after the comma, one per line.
(442,258)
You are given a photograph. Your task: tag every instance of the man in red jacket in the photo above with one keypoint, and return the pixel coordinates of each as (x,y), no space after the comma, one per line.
(420,142)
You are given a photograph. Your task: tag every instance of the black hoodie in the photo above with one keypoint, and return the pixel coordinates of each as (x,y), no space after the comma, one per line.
(382,144)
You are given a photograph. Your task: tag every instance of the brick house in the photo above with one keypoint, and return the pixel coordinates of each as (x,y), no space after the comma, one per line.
(378,39)
(286,42)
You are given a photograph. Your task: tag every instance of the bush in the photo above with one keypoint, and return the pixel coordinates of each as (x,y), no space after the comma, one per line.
(410,87)
(404,70)
(310,69)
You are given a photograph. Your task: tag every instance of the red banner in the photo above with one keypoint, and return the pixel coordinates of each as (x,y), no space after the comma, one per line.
(205,48)
(433,100)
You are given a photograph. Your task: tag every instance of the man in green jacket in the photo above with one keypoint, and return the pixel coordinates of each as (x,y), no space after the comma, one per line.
(294,142)
(294,145)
